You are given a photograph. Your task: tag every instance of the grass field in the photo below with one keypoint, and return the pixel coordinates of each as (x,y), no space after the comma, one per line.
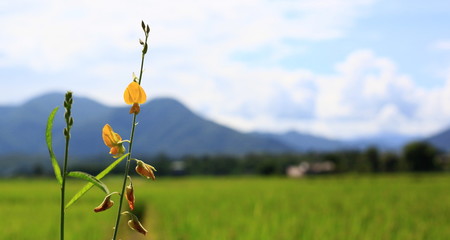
(322,207)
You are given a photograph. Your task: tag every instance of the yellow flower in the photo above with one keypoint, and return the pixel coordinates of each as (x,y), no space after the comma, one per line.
(113,141)
(145,170)
(134,94)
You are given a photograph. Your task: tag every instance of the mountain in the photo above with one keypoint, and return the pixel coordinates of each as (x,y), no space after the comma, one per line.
(165,126)
(175,129)
(383,141)
(441,140)
(305,142)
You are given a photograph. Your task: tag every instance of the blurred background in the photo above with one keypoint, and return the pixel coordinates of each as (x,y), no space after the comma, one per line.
(339,69)
(250,87)
(230,78)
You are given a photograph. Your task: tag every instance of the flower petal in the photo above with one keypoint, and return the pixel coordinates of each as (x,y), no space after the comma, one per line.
(113,141)
(134,93)
(127,95)
(142,97)
(107,135)
(116,138)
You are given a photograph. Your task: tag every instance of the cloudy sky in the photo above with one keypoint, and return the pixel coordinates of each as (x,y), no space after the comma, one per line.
(340,69)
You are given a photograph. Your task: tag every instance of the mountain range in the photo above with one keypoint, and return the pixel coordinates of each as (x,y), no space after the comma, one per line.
(441,140)
(165,126)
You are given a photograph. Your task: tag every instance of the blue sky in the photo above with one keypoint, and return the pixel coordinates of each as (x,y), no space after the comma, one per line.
(341,69)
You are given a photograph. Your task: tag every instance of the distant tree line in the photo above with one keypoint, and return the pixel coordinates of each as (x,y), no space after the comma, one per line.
(415,156)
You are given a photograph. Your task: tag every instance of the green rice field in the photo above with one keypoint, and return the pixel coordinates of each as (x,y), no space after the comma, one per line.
(320,207)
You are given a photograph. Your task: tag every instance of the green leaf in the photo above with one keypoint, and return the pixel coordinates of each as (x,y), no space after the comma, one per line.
(88,186)
(48,138)
(91,179)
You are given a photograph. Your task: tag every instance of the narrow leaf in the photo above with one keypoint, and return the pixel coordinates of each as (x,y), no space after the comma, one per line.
(91,179)
(48,138)
(88,186)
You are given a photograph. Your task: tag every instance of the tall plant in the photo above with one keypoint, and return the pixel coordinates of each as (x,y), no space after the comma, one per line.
(134,95)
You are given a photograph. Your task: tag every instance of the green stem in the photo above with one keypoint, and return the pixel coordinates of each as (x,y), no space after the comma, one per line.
(127,167)
(142,61)
(63,187)
(69,121)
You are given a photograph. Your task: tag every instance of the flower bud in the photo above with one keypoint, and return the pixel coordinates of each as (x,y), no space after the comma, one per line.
(130,195)
(135,108)
(107,203)
(134,223)
(66,133)
(145,170)
(144,51)
(67,114)
(70,121)
(135,78)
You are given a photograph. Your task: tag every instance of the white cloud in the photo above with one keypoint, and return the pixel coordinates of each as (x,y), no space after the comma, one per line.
(54,35)
(368,93)
(91,48)
(441,45)
(365,95)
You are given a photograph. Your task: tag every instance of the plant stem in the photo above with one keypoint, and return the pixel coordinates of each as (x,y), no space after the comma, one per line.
(142,61)
(69,121)
(63,187)
(127,167)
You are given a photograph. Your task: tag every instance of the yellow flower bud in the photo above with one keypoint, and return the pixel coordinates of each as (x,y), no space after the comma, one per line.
(145,170)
